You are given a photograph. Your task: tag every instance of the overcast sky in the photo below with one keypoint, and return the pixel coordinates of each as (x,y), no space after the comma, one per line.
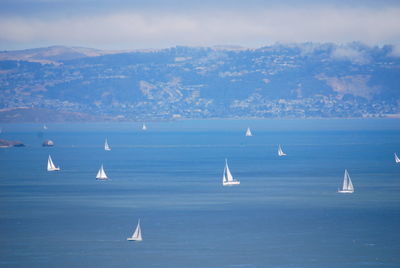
(134,24)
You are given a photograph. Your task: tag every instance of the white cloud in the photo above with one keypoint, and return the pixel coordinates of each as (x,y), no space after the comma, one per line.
(143,29)
(352,54)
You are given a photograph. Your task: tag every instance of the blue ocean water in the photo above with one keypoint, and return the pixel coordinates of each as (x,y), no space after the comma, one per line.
(285,213)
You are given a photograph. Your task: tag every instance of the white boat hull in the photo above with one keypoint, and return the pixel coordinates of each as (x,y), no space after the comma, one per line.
(345,191)
(229,183)
(133,239)
(53,169)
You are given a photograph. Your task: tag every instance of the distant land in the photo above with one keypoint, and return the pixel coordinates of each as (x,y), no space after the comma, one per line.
(305,80)
(7,144)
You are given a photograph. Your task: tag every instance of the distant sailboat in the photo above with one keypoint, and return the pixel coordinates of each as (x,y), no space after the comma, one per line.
(280,152)
(51,166)
(106,146)
(396,158)
(101,175)
(137,235)
(44,127)
(144,127)
(227,178)
(347,187)
(248,132)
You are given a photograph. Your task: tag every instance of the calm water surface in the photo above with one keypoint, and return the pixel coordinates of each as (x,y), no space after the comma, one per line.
(285,213)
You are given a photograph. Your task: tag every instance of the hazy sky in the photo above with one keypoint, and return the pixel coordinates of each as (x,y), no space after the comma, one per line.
(132,24)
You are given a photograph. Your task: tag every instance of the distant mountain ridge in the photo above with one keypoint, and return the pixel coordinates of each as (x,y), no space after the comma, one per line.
(53,54)
(305,80)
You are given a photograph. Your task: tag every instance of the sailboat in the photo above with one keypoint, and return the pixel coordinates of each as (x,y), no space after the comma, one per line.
(280,152)
(144,127)
(101,175)
(137,235)
(347,187)
(396,158)
(44,127)
(248,132)
(106,146)
(51,166)
(227,178)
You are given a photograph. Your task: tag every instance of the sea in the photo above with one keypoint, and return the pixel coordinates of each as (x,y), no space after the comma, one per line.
(286,212)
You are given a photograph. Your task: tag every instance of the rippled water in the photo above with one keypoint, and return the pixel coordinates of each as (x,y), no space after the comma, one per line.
(285,213)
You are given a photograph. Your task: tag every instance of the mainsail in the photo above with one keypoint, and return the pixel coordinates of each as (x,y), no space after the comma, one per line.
(137,235)
(248,132)
(101,175)
(51,166)
(396,158)
(280,152)
(347,186)
(227,178)
(106,146)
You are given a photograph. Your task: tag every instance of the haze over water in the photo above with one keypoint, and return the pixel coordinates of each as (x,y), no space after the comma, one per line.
(285,212)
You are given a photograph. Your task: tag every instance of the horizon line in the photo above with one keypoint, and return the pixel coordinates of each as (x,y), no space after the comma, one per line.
(227,46)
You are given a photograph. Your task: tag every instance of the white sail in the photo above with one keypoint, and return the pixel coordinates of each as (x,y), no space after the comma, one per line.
(350,186)
(228,174)
(44,127)
(144,127)
(51,166)
(137,235)
(280,152)
(396,158)
(248,132)
(106,146)
(347,186)
(101,175)
(227,178)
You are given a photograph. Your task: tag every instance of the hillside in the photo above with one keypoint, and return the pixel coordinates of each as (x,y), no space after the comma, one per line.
(295,81)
